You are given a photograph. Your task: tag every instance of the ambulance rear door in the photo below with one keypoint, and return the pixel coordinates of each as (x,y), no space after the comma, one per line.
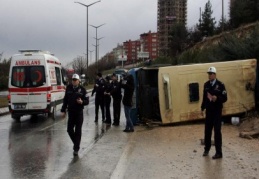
(28,88)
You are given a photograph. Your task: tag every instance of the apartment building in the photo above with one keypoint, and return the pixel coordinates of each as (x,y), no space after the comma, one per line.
(169,12)
(149,44)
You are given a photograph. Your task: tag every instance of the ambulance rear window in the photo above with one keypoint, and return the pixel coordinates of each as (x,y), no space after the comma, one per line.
(28,76)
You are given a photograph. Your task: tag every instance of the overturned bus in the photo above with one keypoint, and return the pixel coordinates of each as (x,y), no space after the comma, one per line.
(173,94)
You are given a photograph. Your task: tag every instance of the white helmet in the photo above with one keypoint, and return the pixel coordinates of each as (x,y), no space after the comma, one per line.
(76,76)
(212,70)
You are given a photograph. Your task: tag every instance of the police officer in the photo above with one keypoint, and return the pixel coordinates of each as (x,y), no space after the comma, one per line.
(99,89)
(116,95)
(74,100)
(107,100)
(214,95)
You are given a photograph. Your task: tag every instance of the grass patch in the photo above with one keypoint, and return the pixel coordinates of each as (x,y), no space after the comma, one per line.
(89,86)
(3,101)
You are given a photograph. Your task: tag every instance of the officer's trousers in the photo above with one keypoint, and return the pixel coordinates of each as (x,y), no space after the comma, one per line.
(107,103)
(99,101)
(213,120)
(74,127)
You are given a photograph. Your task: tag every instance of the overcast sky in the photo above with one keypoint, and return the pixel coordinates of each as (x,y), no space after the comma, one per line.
(59,26)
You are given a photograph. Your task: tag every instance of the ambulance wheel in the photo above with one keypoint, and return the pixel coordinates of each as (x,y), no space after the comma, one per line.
(53,113)
(16,118)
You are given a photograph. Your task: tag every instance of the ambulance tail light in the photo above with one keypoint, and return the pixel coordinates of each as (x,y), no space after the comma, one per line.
(48,97)
(9,98)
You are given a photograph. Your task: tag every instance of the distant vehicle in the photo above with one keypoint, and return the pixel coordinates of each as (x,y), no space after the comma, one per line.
(174,94)
(120,71)
(36,84)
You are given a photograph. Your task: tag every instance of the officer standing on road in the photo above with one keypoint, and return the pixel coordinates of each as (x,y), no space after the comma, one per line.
(116,95)
(99,89)
(107,100)
(214,95)
(74,100)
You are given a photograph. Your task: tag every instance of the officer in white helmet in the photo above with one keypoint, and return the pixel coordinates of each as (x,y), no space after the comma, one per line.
(214,95)
(74,101)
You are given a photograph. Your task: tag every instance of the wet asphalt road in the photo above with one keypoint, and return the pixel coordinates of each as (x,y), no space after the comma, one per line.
(40,147)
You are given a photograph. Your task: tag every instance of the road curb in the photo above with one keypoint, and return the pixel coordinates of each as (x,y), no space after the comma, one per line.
(4,111)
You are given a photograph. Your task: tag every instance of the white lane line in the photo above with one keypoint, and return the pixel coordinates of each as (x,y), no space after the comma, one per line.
(121,167)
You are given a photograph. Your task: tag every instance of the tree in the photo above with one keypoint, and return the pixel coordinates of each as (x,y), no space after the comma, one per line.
(207,23)
(194,37)
(243,12)
(177,39)
(79,65)
(4,66)
(222,26)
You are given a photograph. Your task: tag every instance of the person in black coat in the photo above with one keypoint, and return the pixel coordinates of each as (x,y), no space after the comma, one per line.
(214,95)
(116,95)
(99,89)
(74,101)
(107,100)
(128,86)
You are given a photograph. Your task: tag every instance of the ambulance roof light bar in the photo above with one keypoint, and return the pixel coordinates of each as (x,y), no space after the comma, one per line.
(34,51)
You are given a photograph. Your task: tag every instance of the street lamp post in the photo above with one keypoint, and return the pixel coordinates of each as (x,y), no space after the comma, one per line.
(96,62)
(96,27)
(98,45)
(87,27)
(90,54)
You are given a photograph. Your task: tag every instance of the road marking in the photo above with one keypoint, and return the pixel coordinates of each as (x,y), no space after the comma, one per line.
(121,167)
(49,126)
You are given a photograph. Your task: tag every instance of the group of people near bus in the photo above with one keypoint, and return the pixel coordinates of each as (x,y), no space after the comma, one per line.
(104,89)
(214,95)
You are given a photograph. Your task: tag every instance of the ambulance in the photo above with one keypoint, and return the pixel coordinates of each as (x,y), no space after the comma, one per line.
(36,84)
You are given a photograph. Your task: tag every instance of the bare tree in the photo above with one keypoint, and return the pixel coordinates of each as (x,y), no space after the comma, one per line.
(1,54)
(79,65)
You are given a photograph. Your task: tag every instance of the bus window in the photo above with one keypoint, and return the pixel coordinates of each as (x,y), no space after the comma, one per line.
(166,82)
(194,92)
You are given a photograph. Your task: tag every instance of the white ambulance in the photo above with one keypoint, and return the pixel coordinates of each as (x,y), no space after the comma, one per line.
(36,84)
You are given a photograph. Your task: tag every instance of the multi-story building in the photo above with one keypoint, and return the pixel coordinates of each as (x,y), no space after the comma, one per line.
(149,44)
(131,49)
(169,13)
(119,54)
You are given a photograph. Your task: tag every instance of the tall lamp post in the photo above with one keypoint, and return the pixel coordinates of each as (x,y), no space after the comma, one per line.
(87,27)
(96,27)
(90,54)
(98,46)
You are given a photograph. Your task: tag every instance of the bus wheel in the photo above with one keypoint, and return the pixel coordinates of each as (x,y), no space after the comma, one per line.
(54,113)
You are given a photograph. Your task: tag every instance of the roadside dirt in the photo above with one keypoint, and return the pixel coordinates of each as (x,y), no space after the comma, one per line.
(249,128)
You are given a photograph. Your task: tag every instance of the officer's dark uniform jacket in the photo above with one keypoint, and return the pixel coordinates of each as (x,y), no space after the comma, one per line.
(218,89)
(71,96)
(99,90)
(116,90)
(108,87)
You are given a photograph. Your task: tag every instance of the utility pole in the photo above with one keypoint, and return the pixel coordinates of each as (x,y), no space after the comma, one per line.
(200,15)
(223,16)
(86,54)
